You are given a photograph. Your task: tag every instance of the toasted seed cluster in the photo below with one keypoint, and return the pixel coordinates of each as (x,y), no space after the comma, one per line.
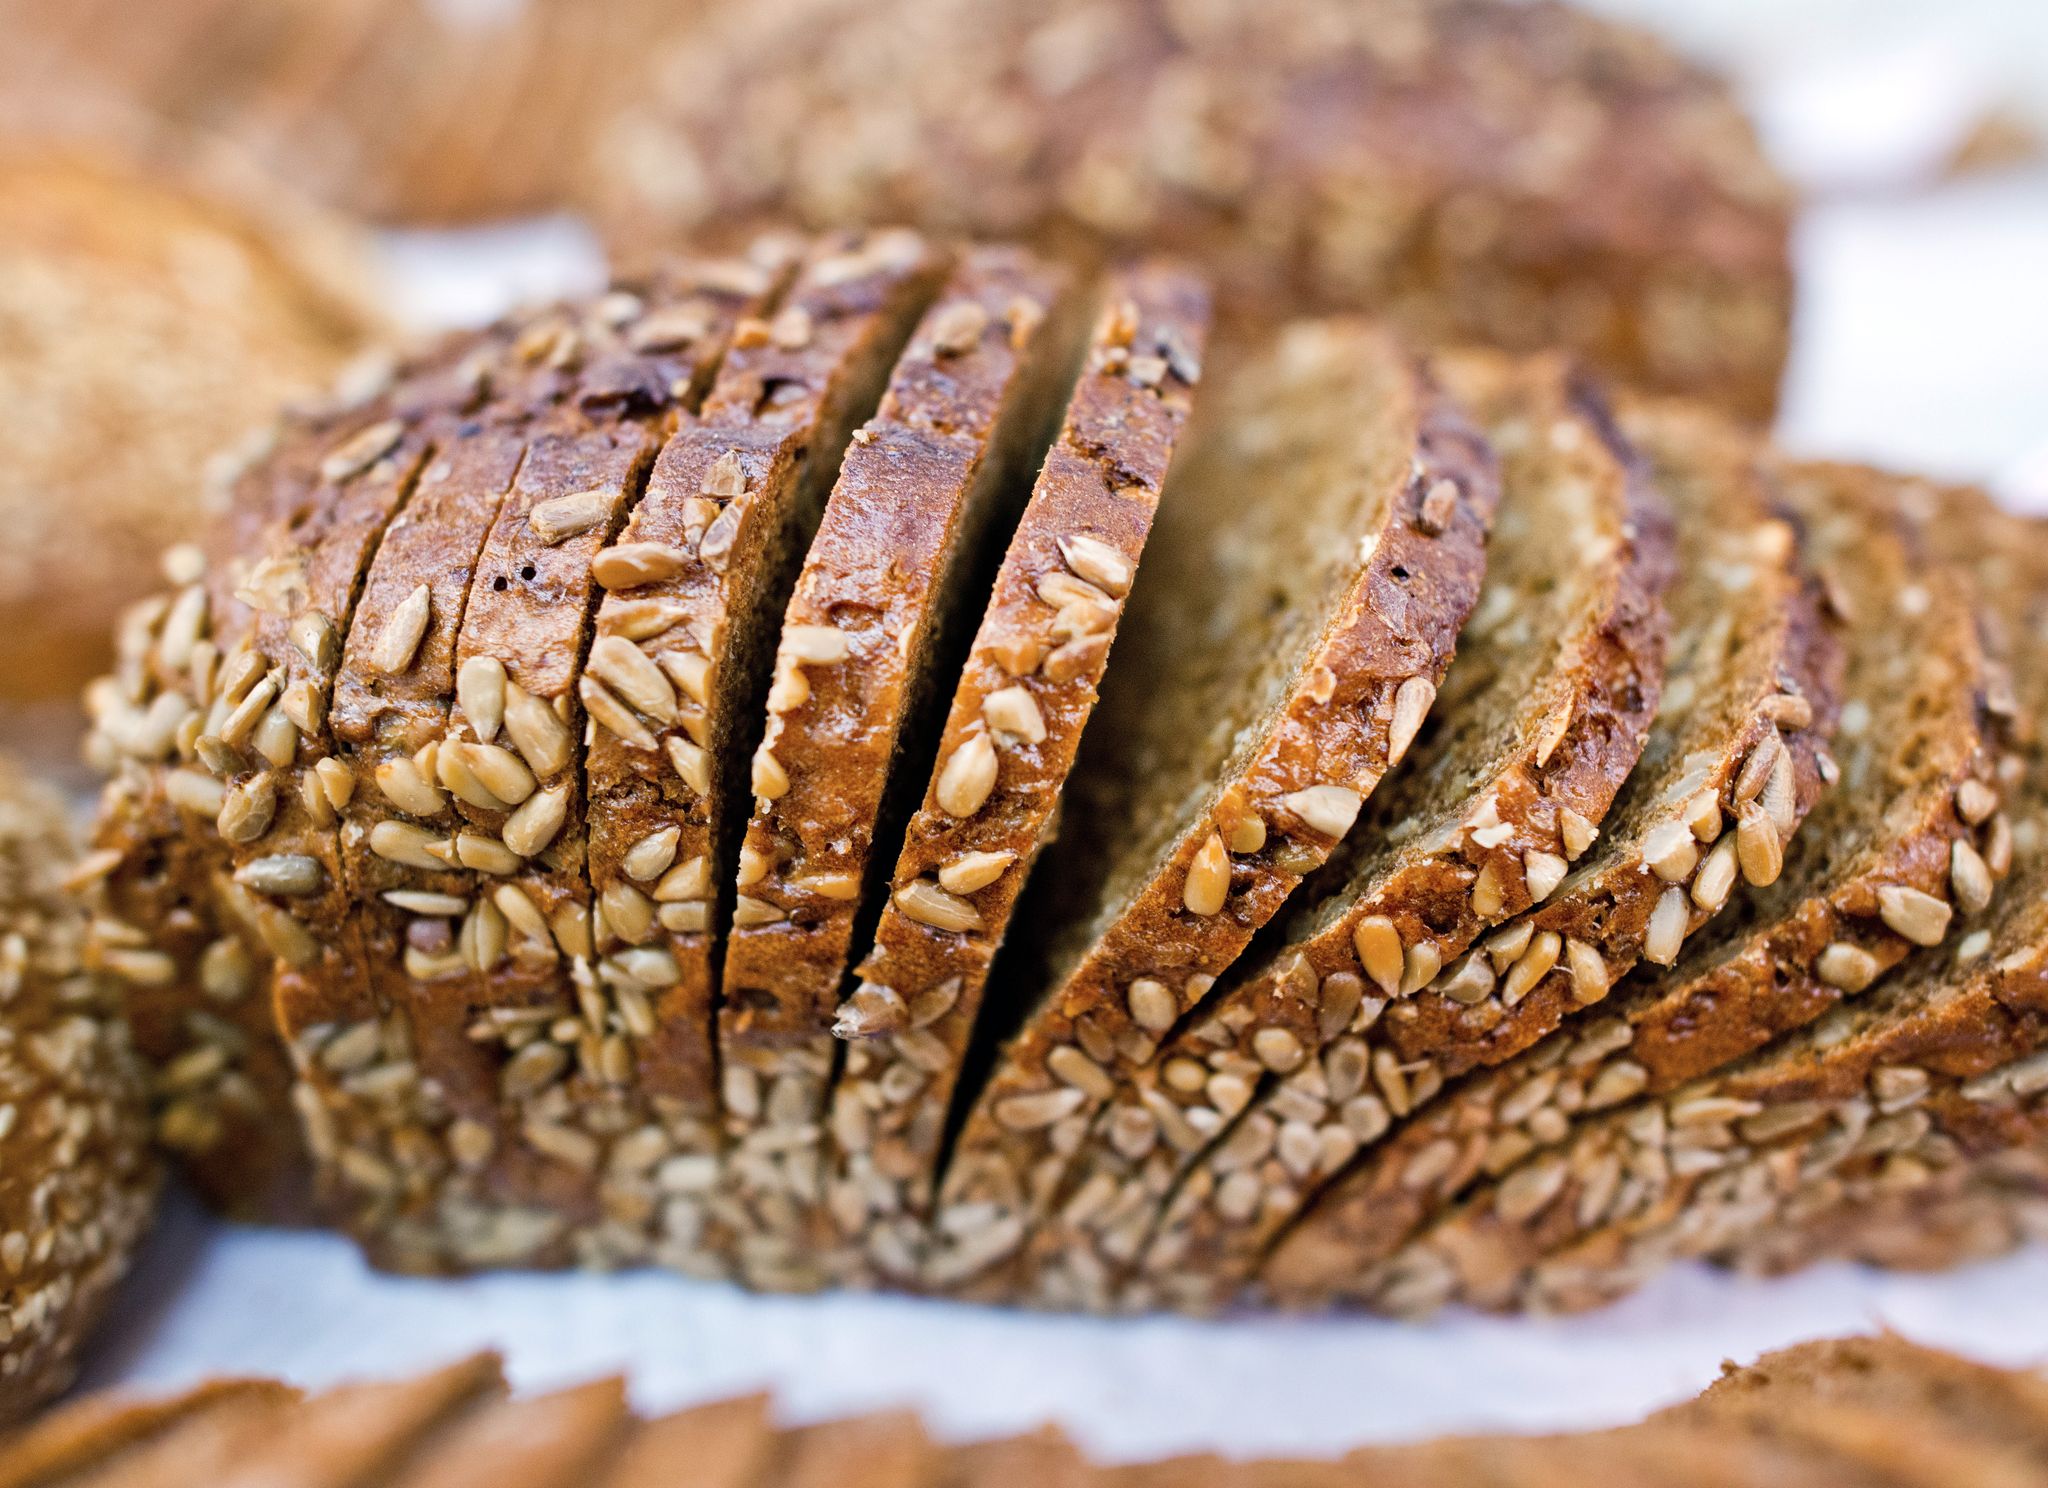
(77,1181)
(1480,171)
(1278,1068)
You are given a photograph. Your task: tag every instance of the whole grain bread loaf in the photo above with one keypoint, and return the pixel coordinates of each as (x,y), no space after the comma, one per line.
(77,1179)
(494,814)
(1525,175)
(397,110)
(1875,1412)
(1539,720)
(148,319)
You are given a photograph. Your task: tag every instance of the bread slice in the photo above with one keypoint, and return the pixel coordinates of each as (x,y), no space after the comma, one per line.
(728,1444)
(486,578)
(1542,716)
(1300,660)
(876,617)
(561,1440)
(1882,1373)
(68,1441)
(1919,745)
(1016,714)
(1762,685)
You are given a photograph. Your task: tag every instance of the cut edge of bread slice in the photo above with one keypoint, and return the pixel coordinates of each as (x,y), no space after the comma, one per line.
(878,614)
(1735,764)
(1189,827)
(1253,1091)
(1939,1062)
(1014,724)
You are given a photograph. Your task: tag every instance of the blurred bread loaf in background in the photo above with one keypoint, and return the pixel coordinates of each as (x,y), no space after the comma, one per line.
(1518,175)
(147,322)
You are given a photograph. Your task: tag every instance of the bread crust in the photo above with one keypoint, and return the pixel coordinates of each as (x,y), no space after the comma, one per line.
(871,620)
(1575,740)
(1780,689)
(1094,497)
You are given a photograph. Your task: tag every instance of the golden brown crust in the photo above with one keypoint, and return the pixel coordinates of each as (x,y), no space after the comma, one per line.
(1089,513)
(77,1182)
(1762,686)
(149,322)
(876,611)
(1593,687)
(1525,175)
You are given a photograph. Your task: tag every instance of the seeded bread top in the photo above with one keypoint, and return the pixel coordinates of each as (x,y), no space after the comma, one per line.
(77,1183)
(1760,686)
(1013,727)
(1446,164)
(1541,715)
(147,324)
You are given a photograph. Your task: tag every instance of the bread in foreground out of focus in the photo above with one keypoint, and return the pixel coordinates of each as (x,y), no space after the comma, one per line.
(1524,175)
(1841,1412)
